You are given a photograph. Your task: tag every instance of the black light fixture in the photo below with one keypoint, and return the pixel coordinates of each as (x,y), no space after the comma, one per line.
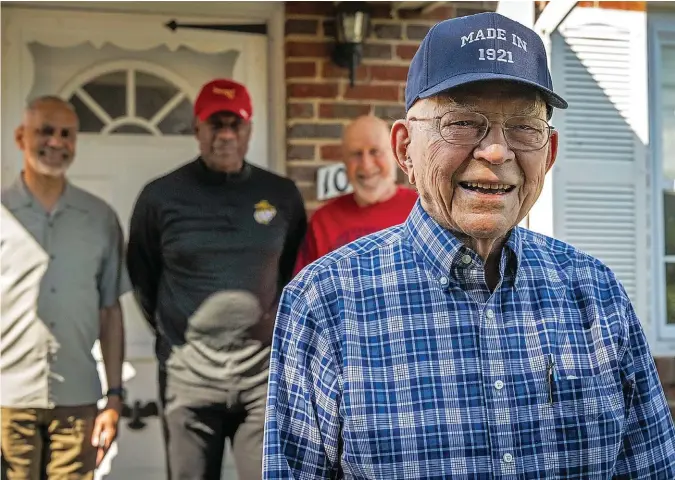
(352,25)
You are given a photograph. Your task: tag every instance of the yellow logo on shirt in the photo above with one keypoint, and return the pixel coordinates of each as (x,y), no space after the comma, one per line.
(264,212)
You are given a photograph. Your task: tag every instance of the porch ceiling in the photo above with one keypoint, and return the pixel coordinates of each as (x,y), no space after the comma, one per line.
(427,7)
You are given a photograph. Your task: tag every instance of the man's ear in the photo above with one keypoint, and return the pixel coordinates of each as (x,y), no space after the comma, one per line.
(552,150)
(400,141)
(19,136)
(250,130)
(195,126)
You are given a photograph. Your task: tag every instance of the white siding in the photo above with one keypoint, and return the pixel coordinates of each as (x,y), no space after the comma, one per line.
(600,181)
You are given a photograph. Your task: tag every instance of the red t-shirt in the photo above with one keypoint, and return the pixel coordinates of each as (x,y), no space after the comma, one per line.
(343,220)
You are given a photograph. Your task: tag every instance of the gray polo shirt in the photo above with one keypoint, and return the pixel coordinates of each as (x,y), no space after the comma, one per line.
(58,270)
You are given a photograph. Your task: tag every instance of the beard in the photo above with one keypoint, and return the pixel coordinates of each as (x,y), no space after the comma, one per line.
(374,189)
(57,167)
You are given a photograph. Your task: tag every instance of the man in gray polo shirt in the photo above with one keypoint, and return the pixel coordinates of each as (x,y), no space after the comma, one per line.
(61,251)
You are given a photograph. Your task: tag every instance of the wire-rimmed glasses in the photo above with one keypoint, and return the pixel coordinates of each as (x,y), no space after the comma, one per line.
(522,132)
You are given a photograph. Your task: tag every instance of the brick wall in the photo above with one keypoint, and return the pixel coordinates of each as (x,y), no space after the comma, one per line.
(320,101)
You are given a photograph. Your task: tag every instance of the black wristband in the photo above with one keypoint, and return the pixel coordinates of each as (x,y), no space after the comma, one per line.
(116,391)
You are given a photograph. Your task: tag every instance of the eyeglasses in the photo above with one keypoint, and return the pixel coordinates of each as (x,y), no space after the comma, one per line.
(522,132)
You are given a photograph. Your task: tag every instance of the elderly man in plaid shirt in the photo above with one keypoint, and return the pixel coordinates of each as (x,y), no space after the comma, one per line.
(459,345)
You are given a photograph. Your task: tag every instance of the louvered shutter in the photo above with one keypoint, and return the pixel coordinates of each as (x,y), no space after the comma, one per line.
(600,180)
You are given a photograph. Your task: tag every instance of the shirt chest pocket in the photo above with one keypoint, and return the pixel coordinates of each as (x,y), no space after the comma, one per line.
(587,412)
(579,397)
(593,403)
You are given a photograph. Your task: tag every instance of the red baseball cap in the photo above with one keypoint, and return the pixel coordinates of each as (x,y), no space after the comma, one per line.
(222,95)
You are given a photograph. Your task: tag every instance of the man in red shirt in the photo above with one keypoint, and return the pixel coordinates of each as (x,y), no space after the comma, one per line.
(376,202)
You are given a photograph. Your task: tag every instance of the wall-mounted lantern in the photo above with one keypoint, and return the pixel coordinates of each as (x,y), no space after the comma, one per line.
(352,25)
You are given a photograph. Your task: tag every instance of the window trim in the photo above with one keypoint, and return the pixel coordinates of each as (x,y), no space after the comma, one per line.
(658,29)
(75,86)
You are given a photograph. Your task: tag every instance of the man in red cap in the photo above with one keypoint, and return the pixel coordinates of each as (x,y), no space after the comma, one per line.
(211,246)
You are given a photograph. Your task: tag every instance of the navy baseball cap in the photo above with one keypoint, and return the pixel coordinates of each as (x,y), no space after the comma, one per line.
(475,48)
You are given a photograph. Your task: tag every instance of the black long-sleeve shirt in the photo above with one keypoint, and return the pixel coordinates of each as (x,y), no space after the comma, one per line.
(196,234)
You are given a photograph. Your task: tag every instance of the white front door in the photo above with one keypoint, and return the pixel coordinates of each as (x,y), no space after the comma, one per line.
(133,84)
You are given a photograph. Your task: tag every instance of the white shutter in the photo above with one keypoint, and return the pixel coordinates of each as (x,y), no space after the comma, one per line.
(600,180)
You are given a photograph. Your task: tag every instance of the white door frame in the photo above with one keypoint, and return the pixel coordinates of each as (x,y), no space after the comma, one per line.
(61,25)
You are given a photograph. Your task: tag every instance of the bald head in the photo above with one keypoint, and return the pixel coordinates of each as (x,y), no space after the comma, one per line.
(365,123)
(47,102)
(47,136)
(370,161)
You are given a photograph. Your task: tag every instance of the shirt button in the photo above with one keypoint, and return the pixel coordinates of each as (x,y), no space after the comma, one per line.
(53,290)
(466,259)
(444,281)
(490,313)
(508,458)
(499,384)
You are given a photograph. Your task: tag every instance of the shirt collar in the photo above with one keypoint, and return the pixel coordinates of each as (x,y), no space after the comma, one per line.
(446,254)
(18,195)
(211,176)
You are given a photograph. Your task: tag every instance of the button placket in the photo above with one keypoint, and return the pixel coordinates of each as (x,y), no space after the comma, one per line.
(499,405)
(49,235)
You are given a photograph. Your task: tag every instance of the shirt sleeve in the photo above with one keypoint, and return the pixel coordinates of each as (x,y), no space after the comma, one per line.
(144,259)
(648,447)
(302,424)
(113,280)
(294,238)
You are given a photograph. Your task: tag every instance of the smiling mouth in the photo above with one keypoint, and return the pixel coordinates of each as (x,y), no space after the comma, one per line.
(368,179)
(54,157)
(487,188)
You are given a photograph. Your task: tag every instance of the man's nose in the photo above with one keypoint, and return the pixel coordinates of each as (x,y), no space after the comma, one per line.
(493,148)
(226,133)
(367,161)
(56,141)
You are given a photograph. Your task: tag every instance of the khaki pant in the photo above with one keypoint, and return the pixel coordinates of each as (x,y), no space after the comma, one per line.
(48,444)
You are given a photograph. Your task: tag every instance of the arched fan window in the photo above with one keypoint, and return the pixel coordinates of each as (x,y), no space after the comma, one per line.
(132,101)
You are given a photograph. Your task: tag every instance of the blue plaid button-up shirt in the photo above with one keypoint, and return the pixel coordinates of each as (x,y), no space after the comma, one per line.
(392,359)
